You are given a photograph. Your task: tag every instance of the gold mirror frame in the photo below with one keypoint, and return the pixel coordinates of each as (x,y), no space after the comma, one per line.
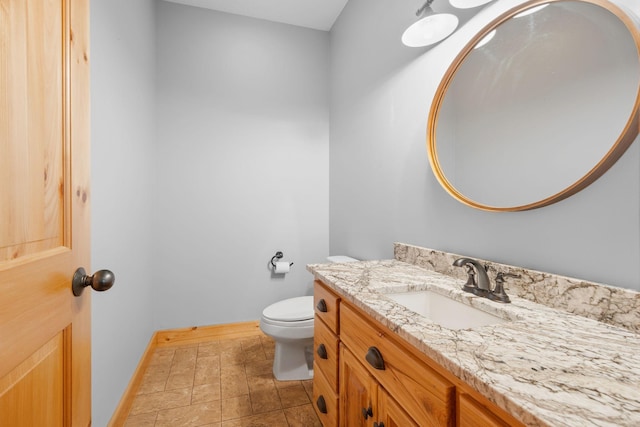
(626,138)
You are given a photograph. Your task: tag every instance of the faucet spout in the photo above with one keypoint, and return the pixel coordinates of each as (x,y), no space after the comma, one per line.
(483,283)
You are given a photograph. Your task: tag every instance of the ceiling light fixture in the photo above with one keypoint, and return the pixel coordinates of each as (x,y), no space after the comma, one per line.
(430,29)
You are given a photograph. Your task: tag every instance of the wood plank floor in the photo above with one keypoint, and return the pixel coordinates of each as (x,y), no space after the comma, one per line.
(221,383)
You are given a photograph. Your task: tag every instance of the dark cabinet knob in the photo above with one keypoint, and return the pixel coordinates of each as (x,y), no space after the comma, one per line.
(374,357)
(380,424)
(322,306)
(322,352)
(100,281)
(322,405)
(367,412)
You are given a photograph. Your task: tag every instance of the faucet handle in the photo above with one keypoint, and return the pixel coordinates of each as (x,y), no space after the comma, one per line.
(471,285)
(481,286)
(498,294)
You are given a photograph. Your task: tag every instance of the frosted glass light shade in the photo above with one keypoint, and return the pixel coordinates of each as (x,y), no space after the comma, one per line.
(468,4)
(430,29)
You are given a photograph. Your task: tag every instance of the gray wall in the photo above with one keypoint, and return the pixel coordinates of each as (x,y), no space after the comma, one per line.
(242,160)
(123,132)
(382,189)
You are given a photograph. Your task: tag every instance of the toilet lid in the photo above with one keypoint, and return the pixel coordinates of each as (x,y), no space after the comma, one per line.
(290,310)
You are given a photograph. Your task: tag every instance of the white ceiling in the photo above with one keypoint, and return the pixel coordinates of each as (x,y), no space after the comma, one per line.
(316,14)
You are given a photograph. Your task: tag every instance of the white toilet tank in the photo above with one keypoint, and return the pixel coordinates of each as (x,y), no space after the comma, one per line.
(341,258)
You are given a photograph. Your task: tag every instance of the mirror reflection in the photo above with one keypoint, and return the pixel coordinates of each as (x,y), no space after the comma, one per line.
(542,104)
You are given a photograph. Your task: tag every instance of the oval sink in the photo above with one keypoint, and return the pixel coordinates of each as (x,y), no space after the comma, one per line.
(444,311)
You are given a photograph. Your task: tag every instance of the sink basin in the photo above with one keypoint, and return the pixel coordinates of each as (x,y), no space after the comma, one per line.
(446,312)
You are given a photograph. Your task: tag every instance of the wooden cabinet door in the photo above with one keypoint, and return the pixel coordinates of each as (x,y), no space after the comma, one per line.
(425,394)
(358,392)
(362,401)
(391,414)
(473,414)
(45,341)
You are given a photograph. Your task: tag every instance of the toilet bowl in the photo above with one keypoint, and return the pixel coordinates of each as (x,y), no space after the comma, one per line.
(290,324)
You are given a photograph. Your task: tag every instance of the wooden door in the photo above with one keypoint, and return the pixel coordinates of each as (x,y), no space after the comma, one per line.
(358,389)
(45,332)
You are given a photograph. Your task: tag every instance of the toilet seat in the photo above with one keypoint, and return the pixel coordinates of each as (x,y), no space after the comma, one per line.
(289,320)
(285,324)
(290,312)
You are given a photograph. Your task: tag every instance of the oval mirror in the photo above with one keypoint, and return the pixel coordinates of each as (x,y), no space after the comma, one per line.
(538,105)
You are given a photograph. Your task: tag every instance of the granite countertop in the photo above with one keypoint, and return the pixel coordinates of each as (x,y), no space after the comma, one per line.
(545,366)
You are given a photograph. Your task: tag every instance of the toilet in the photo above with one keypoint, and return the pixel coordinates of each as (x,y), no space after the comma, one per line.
(290,323)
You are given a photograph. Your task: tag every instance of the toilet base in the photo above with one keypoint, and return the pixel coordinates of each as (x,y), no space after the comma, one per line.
(293,360)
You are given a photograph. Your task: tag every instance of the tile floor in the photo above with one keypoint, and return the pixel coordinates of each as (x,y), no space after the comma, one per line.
(223,383)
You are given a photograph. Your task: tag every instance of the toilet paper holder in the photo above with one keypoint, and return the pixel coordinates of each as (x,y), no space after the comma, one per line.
(278,255)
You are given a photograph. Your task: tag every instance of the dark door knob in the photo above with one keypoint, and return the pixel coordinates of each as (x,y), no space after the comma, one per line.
(100,281)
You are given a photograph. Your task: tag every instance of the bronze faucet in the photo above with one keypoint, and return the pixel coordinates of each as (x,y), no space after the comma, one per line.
(482,286)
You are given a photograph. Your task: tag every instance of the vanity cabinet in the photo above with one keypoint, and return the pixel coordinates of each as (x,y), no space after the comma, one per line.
(366,375)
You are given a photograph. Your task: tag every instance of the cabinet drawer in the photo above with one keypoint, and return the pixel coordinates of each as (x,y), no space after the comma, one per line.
(422,392)
(326,304)
(325,345)
(473,414)
(325,400)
